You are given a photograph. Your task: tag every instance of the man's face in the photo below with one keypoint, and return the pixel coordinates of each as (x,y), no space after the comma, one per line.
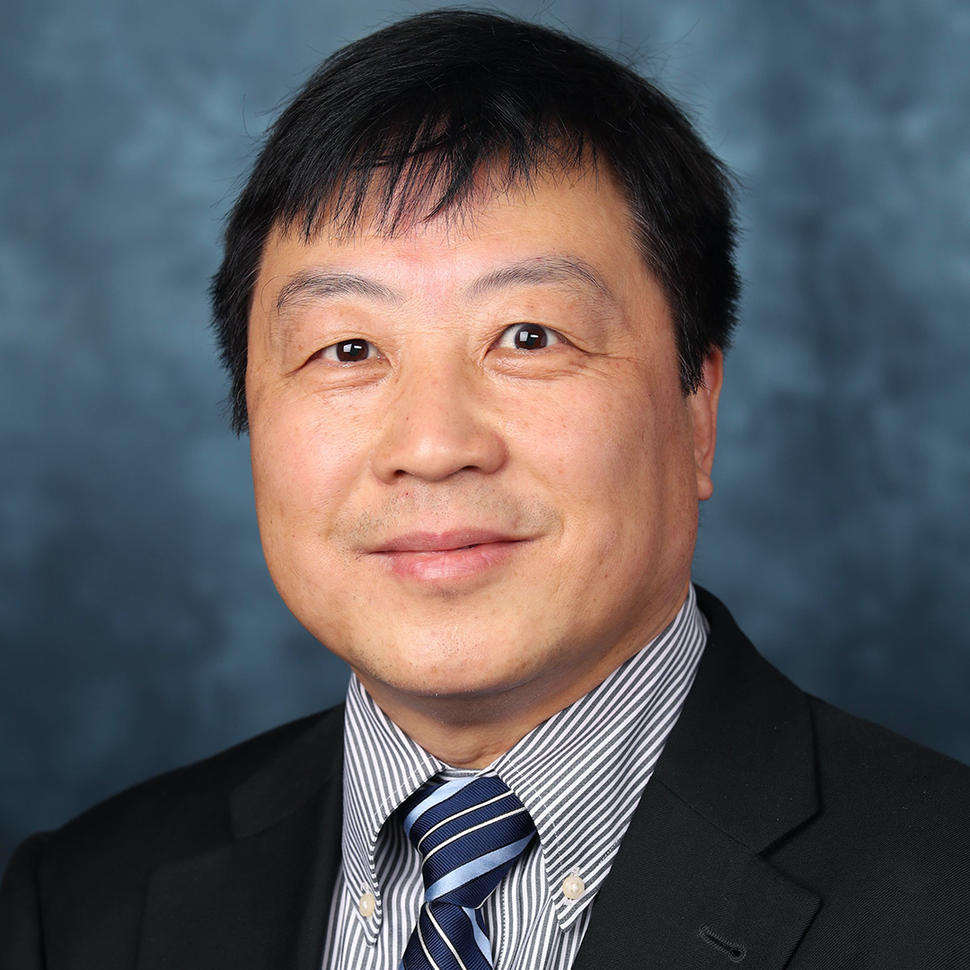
(476,473)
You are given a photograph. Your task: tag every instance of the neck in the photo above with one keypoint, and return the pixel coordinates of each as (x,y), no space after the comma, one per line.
(471,731)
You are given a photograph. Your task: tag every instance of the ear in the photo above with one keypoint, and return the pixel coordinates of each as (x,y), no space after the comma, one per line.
(702,406)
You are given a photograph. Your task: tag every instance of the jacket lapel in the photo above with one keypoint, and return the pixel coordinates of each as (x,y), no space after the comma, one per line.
(692,887)
(261,901)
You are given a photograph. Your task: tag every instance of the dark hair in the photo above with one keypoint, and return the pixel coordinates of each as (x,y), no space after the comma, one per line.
(430,103)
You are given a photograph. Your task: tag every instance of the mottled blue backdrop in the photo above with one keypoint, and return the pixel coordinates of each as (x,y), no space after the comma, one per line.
(139,628)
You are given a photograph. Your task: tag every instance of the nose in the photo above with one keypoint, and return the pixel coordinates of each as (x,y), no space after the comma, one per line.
(438,424)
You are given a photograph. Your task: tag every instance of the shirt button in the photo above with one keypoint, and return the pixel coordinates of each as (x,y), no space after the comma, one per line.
(367,905)
(573,887)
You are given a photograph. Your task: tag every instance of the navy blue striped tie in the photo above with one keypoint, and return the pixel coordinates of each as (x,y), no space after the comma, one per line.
(469,832)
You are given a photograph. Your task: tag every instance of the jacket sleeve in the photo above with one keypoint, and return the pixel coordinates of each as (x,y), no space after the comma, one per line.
(21,934)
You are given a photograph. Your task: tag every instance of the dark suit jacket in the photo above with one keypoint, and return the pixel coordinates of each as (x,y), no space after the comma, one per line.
(776,832)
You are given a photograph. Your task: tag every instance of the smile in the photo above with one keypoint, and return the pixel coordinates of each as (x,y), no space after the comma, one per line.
(437,557)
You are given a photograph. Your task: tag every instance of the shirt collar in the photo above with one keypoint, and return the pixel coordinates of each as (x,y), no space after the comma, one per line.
(590,761)
(587,766)
(383,766)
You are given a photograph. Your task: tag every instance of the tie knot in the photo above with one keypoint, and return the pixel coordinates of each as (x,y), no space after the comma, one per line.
(470,832)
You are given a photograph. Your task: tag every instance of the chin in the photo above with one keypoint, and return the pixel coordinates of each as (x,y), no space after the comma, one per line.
(466,679)
(461,687)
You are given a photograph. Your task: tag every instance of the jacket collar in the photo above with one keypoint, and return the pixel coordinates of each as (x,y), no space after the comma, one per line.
(691,886)
(742,755)
(311,764)
(261,900)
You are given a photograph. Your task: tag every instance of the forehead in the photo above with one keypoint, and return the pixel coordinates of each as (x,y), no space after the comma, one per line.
(576,227)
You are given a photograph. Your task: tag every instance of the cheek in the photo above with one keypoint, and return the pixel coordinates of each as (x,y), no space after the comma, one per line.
(301,468)
(597,448)
(622,475)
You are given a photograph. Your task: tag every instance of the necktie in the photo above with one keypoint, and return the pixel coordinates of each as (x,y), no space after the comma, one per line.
(469,832)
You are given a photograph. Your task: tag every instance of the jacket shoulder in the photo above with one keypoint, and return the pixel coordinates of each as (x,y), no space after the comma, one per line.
(878,832)
(895,786)
(888,851)
(180,812)
(74,896)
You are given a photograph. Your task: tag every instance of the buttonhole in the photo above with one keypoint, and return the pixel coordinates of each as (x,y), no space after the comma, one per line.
(735,952)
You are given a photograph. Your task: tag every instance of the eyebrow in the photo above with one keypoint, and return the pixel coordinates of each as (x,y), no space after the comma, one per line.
(325,284)
(539,270)
(535,271)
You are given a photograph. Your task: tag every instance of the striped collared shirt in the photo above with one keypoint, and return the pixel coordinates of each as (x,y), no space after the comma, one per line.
(580,774)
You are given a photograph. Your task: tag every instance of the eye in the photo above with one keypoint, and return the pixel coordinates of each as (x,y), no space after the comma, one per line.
(528,336)
(348,351)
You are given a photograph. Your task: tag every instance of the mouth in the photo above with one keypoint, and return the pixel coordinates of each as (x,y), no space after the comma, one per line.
(451,541)
(447,556)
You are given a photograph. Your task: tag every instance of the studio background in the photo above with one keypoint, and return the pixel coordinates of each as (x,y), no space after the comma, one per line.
(139,628)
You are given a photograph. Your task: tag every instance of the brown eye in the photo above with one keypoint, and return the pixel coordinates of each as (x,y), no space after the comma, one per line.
(348,351)
(528,336)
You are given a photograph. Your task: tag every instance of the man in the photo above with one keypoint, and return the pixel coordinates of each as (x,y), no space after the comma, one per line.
(474,302)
